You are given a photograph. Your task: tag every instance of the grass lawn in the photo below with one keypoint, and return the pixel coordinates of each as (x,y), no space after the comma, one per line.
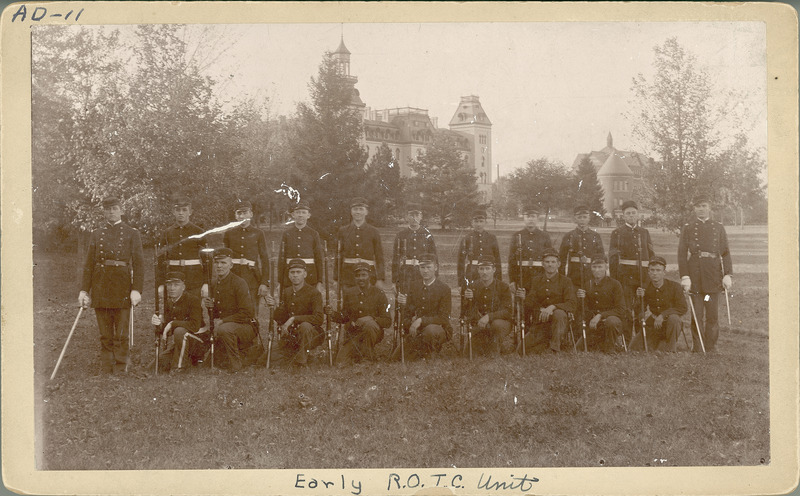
(573,409)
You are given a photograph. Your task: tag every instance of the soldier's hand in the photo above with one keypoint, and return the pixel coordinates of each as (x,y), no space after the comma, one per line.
(521,293)
(658,322)
(580,293)
(595,320)
(156,320)
(468,294)
(327,309)
(204,291)
(483,321)
(160,291)
(727,282)
(269,299)
(84,300)
(640,292)
(545,313)
(207,302)
(320,288)
(263,290)
(402,299)
(686,283)
(136,297)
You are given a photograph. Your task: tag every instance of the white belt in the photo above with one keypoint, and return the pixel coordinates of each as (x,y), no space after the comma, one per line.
(531,263)
(184,262)
(578,259)
(359,260)
(411,261)
(633,262)
(244,261)
(306,260)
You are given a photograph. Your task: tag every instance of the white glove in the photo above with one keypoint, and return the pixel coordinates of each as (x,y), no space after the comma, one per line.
(686,283)
(727,282)
(84,300)
(135,297)
(156,320)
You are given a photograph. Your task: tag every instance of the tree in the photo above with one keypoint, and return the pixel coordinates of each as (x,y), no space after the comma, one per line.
(542,185)
(443,182)
(674,116)
(383,187)
(588,190)
(327,156)
(742,190)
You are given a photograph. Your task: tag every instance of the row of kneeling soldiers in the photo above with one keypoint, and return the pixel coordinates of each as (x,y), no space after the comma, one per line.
(554,300)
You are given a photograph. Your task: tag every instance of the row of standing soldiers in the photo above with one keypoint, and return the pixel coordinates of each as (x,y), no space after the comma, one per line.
(543,293)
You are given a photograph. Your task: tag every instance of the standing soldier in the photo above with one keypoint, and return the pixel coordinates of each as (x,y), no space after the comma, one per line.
(303,242)
(179,253)
(629,250)
(411,243)
(704,263)
(665,304)
(250,254)
(360,242)
(605,307)
(577,247)
(525,252)
(489,308)
(474,245)
(112,283)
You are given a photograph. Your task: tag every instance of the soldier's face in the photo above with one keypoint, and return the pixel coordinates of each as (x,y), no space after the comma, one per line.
(599,270)
(550,265)
(486,273)
(297,276)
(182,214)
(359,213)
(175,289)
(222,266)
(428,271)
(582,220)
(113,213)
(478,224)
(414,219)
(656,272)
(531,221)
(301,216)
(244,214)
(362,279)
(702,210)
(630,215)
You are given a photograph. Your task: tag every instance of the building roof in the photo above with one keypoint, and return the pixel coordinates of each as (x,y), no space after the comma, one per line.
(633,160)
(469,112)
(614,166)
(342,49)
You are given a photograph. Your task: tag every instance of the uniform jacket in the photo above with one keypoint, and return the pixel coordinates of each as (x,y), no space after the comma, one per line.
(305,305)
(249,242)
(232,300)
(494,300)
(605,298)
(110,286)
(417,243)
(625,245)
(474,245)
(302,243)
(370,302)
(360,242)
(175,249)
(573,243)
(431,304)
(667,300)
(544,292)
(533,243)
(706,272)
(186,312)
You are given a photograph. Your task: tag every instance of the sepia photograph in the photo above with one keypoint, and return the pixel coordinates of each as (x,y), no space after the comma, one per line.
(375,249)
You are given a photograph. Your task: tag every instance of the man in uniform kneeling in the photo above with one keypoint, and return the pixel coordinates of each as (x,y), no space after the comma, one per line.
(665,304)
(488,309)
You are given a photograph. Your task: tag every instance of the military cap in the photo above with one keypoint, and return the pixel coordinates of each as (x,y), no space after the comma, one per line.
(581,209)
(175,276)
(361,267)
(628,204)
(413,207)
(549,252)
(427,258)
(701,197)
(181,201)
(530,211)
(242,205)
(599,257)
(658,260)
(301,206)
(297,263)
(358,202)
(479,214)
(486,260)
(223,253)
(111,201)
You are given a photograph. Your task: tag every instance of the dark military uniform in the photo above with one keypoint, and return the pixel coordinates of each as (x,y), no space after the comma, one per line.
(573,244)
(415,243)
(113,268)
(186,315)
(474,245)
(526,249)
(182,255)
(250,256)
(359,244)
(233,304)
(432,304)
(305,334)
(604,298)
(669,302)
(628,244)
(493,300)
(544,292)
(703,255)
(366,314)
(306,245)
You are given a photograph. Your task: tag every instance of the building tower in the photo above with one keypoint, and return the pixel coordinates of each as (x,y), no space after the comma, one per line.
(471,119)
(342,59)
(617,180)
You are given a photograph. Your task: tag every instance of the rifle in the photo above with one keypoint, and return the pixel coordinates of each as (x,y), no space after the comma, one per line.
(398,313)
(339,259)
(158,328)
(727,299)
(641,281)
(270,323)
(464,310)
(207,255)
(583,286)
(521,305)
(327,317)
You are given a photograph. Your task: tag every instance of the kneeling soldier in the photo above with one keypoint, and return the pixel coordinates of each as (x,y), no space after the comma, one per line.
(488,308)
(665,304)
(299,316)
(605,307)
(547,306)
(427,314)
(365,311)
(182,315)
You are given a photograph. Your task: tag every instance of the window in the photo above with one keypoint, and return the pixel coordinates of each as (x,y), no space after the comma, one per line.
(482,139)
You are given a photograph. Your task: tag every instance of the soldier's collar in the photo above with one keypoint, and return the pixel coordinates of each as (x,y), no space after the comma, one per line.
(114,223)
(632,227)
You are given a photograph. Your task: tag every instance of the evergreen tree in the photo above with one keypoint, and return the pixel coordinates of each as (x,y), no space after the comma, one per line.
(383,189)
(588,190)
